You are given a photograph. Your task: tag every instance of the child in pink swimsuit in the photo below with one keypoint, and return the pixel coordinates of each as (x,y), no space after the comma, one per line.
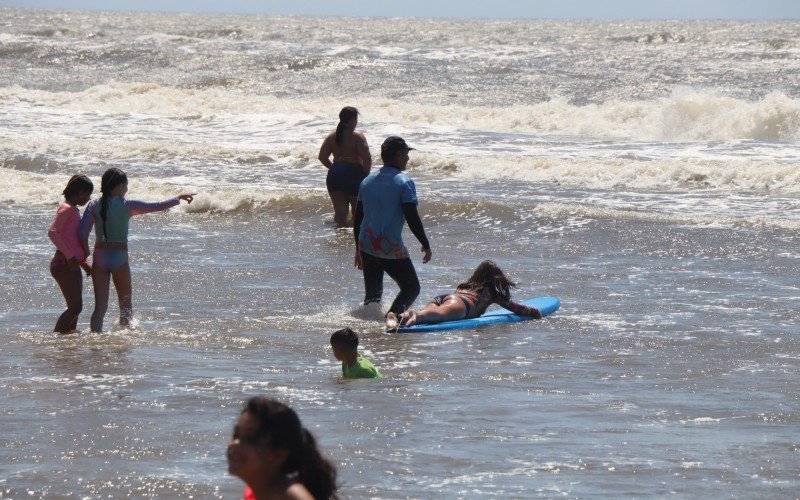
(488,285)
(70,254)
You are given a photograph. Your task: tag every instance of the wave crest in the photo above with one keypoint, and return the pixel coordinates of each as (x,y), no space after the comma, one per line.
(32,189)
(32,163)
(619,173)
(655,37)
(686,115)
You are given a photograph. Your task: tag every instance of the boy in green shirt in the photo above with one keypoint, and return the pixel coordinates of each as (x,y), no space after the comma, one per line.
(345,348)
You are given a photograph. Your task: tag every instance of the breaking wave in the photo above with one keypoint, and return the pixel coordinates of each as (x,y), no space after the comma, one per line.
(685,115)
(43,191)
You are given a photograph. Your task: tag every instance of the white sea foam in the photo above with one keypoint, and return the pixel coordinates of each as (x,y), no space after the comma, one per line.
(615,173)
(31,189)
(691,140)
(214,163)
(686,115)
(38,190)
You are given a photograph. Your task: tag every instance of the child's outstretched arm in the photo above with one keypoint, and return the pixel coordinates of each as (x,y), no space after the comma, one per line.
(137,207)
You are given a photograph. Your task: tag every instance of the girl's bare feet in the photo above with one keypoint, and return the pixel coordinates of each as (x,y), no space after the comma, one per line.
(410,317)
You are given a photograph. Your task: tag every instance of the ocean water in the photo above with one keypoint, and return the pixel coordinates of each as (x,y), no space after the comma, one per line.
(647,173)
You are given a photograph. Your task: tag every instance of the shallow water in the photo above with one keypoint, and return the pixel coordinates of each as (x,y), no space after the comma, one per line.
(670,369)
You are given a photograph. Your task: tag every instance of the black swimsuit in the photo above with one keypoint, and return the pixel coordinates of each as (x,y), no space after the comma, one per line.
(345,177)
(439,300)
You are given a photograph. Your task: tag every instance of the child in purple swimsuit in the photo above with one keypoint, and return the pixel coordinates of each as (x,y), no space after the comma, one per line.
(488,285)
(110,216)
(70,254)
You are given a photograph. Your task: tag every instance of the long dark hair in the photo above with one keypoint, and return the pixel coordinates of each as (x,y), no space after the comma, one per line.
(280,428)
(112,178)
(488,275)
(345,115)
(76,185)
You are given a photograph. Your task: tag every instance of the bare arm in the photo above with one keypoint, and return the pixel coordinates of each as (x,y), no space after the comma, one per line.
(363,152)
(325,152)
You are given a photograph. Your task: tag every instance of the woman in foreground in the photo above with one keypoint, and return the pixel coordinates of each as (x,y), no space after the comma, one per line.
(276,456)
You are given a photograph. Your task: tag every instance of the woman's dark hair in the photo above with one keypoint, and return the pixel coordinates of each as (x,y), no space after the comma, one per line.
(76,185)
(112,178)
(280,428)
(488,275)
(345,115)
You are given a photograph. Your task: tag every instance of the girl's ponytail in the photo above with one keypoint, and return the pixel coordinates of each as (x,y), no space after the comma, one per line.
(112,178)
(103,212)
(345,115)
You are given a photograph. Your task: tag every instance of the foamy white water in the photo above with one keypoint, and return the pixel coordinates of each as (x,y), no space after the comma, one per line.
(644,172)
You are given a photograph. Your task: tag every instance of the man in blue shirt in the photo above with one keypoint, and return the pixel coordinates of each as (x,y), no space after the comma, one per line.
(387,199)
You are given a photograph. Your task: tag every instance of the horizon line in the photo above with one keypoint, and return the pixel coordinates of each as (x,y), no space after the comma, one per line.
(377,16)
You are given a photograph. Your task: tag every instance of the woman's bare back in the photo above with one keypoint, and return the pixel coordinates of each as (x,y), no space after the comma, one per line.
(354,149)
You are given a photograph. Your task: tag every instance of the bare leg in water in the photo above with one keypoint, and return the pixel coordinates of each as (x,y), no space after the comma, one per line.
(71,283)
(451,308)
(101,280)
(122,282)
(341,207)
(352,201)
(102,284)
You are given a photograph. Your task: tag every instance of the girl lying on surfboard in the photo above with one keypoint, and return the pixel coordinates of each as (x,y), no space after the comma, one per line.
(488,285)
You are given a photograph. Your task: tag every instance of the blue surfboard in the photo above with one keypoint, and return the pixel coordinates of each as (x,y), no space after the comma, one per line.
(547,305)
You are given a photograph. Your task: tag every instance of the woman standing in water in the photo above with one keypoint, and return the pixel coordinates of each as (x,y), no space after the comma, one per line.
(276,456)
(351,163)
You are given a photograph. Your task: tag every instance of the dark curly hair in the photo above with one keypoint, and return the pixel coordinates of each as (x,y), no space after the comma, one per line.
(280,428)
(77,184)
(488,275)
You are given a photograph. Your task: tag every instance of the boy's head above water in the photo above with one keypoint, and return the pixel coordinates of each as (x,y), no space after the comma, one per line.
(343,342)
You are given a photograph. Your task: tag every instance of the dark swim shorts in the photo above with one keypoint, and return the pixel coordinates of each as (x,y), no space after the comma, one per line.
(345,177)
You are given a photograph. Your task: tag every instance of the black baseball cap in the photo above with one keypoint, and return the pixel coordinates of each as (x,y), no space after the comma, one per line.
(393,144)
